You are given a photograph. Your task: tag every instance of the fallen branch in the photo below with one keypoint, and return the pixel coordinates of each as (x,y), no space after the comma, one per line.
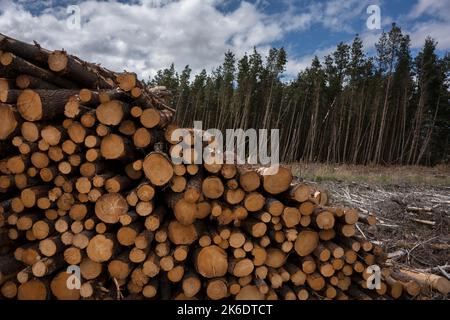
(426,222)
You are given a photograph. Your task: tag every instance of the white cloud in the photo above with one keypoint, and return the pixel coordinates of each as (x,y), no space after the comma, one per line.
(145,37)
(438,27)
(148,35)
(295,65)
(439,8)
(338,14)
(334,15)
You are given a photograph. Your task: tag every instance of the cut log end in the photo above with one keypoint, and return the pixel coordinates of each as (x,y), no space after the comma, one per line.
(158,169)
(110,207)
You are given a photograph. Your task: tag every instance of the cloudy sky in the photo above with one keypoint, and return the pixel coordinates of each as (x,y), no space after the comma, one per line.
(146,35)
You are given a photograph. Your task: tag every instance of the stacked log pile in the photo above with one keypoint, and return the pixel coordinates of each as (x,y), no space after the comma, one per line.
(87,180)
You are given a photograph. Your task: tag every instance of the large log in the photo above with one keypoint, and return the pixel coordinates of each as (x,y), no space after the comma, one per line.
(35,105)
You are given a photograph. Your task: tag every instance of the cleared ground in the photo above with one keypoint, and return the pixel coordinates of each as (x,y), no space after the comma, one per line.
(412,205)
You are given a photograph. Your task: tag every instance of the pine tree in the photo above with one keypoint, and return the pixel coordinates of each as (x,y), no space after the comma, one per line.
(350,108)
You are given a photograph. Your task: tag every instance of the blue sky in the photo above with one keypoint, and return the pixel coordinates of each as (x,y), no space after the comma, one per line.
(146,35)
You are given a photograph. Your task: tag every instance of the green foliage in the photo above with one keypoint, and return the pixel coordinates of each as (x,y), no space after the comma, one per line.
(391,108)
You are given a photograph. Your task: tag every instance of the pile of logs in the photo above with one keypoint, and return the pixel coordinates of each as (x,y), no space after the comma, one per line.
(86,181)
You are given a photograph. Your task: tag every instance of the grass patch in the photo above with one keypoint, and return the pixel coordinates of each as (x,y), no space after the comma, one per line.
(384,175)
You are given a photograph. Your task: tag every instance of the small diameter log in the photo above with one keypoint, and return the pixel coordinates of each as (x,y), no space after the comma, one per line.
(120,267)
(191,284)
(347,230)
(211,262)
(81,240)
(128,218)
(180,253)
(229,171)
(395,287)
(291,217)
(306,242)
(144,138)
(300,192)
(154,221)
(276,181)
(254,202)
(73,255)
(47,266)
(324,220)
(158,168)
(17,164)
(126,81)
(152,118)
(110,207)
(275,258)
(9,290)
(297,276)
(350,216)
(26,221)
(32,290)
(176,274)
(235,196)
(114,147)
(117,183)
(212,188)
(255,227)
(274,207)
(368,219)
(126,235)
(307,208)
(315,281)
(60,289)
(51,246)
(203,210)
(111,113)
(193,190)
(25,81)
(151,266)
(90,269)
(145,192)
(101,248)
(42,229)
(250,292)
(185,212)
(249,179)
(217,289)
(180,234)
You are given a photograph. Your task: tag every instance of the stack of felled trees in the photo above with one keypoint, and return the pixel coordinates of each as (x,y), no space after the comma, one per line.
(87,180)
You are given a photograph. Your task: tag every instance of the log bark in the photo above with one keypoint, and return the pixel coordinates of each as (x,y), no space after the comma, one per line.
(428,279)
(86,75)
(35,105)
(21,66)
